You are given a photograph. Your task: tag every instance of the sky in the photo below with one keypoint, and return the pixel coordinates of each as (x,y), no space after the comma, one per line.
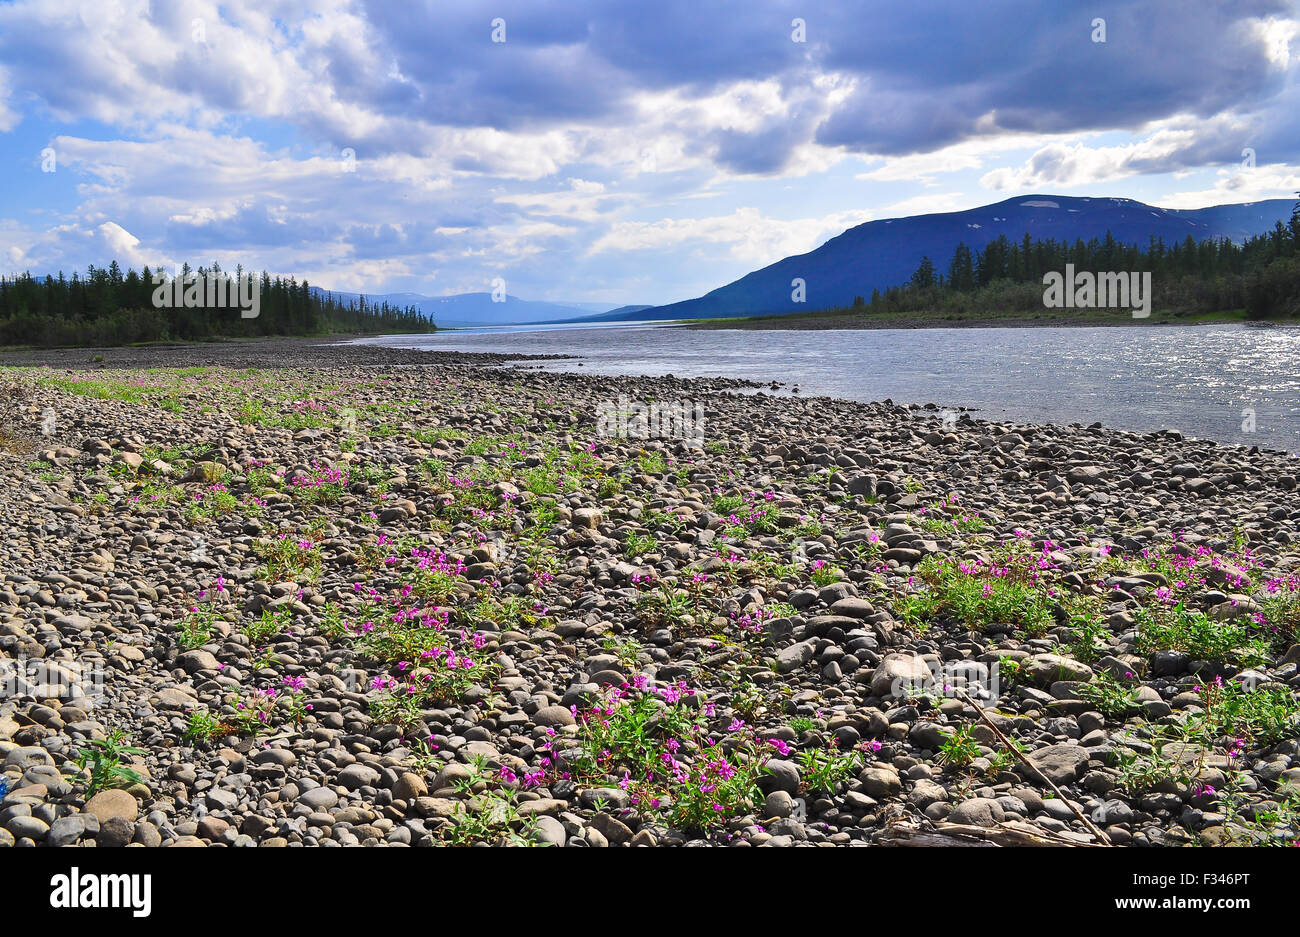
(606,152)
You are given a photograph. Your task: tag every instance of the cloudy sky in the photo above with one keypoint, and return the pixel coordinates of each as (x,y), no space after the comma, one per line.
(611,152)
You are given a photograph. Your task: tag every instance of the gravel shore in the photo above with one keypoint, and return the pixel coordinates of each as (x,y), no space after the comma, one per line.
(291,593)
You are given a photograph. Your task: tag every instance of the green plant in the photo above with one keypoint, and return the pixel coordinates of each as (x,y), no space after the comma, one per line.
(628,651)
(824,574)
(959,749)
(1280,611)
(746,698)
(652,463)
(1263,715)
(1110,696)
(487,814)
(331,621)
(289,557)
(915,611)
(201,726)
(635,544)
(1274,826)
(1140,772)
(251,411)
(979,596)
(664,607)
(1010,672)
(1088,629)
(268,625)
(1163,626)
(825,769)
(104,761)
(668,759)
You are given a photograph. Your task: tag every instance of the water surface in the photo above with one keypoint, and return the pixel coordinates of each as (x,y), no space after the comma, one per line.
(1202,380)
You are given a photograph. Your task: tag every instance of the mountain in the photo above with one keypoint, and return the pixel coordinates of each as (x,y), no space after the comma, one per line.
(466,310)
(880,254)
(621,314)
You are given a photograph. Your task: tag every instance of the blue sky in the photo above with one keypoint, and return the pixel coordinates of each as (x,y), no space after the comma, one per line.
(606,152)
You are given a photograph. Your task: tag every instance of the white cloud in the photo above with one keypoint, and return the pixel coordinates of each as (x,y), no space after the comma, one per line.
(1073,164)
(923,204)
(1239,185)
(749,235)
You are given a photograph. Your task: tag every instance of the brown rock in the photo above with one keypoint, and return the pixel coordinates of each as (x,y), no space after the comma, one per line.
(109,804)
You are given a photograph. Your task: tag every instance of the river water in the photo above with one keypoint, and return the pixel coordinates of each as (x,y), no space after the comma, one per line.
(1229,383)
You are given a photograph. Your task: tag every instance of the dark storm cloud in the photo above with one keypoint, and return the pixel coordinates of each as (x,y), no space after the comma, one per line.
(932,73)
(928,75)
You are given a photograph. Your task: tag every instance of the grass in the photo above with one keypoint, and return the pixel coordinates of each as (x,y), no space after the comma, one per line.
(1109,696)
(1175,627)
(635,545)
(291,556)
(268,625)
(980,596)
(1261,716)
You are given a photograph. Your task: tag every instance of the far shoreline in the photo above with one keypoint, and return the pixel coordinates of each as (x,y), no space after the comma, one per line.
(827,323)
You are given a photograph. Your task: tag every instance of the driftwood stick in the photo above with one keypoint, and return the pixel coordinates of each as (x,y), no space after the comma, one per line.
(957,834)
(1020,756)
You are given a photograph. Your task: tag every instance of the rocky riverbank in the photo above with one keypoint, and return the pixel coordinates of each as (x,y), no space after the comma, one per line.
(343,595)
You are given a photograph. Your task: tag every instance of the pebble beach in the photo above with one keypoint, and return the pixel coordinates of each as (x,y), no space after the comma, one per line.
(303,594)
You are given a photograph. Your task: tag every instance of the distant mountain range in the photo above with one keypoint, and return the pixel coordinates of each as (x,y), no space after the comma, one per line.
(466,310)
(877,255)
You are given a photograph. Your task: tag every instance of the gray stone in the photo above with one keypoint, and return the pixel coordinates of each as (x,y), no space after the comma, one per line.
(356,776)
(67,830)
(1060,763)
(779,775)
(793,657)
(553,716)
(977,811)
(113,803)
(115,833)
(319,798)
(611,828)
(880,781)
(898,673)
(551,831)
(1045,669)
(196,660)
(608,798)
(778,804)
(29,827)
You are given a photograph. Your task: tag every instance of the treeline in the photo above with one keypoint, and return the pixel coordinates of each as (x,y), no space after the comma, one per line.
(105,307)
(1260,276)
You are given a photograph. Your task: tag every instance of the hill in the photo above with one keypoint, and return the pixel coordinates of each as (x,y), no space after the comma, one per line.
(885,253)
